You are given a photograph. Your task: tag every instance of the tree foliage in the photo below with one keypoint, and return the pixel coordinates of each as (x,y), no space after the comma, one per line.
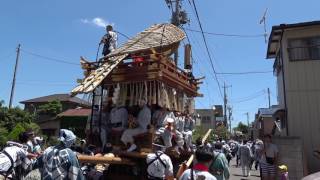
(222,132)
(51,108)
(242,128)
(199,132)
(10,117)
(14,121)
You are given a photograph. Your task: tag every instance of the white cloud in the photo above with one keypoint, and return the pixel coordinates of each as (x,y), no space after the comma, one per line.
(97,21)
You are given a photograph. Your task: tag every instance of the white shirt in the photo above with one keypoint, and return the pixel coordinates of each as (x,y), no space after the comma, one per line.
(112,41)
(189,124)
(196,174)
(16,153)
(271,151)
(159,116)
(30,146)
(119,115)
(156,168)
(180,123)
(169,115)
(245,152)
(144,117)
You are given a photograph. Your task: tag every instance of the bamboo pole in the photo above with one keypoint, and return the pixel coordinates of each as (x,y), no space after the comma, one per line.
(205,137)
(185,165)
(103,160)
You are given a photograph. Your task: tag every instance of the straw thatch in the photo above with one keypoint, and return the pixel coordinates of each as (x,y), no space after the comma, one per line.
(156,36)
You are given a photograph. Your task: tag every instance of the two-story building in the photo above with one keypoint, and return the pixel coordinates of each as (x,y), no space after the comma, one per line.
(50,124)
(296,51)
(207,118)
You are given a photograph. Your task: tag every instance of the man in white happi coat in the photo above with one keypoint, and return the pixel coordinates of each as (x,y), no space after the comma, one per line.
(119,118)
(158,117)
(159,165)
(163,121)
(143,120)
(109,40)
(13,158)
(187,131)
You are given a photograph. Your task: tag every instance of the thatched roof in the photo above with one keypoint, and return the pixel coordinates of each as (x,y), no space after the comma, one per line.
(158,35)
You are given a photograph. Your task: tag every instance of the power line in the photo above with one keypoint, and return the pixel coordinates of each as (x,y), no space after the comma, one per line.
(49,58)
(253,94)
(199,68)
(228,35)
(244,73)
(43,83)
(249,98)
(6,57)
(207,49)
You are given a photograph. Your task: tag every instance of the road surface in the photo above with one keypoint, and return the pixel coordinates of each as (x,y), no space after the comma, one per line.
(236,172)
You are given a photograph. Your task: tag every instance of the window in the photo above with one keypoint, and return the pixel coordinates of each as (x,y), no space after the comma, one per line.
(304,48)
(206,119)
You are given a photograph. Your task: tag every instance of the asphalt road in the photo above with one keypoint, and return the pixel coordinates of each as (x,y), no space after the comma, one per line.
(236,172)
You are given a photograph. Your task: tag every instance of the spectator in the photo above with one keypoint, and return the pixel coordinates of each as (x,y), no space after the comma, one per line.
(200,169)
(245,158)
(219,166)
(269,159)
(15,159)
(60,162)
(159,165)
(284,172)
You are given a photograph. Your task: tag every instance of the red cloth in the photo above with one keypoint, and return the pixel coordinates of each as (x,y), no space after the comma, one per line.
(200,167)
(137,59)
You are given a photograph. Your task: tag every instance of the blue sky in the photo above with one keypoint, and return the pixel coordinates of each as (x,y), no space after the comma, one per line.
(66,30)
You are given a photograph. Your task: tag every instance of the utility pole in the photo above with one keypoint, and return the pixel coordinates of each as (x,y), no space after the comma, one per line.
(247,118)
(225,102)
(230,114)
(269,97)
(14,77)
(178,18)
(175,20)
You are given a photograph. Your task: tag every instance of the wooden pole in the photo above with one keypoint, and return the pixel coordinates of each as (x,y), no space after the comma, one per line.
(205,137)
(269,98)
(185,165)
(14,76)
(102,160)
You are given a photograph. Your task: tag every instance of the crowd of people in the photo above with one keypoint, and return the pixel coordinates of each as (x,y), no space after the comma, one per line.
(17,159)
(173,131)
(215,158)
(212,159)
(172,128)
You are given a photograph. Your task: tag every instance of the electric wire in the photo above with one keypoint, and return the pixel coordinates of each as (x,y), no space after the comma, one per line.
(198,67)
(43,84)
(49,58)
(207,49)
(249,96)
(228,35)
(244,73)
(249,99)
(6,57)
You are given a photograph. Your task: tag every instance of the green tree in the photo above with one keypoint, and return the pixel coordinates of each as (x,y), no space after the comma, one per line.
(242,128)
(14,134)
(14,121)
(222,132)
(3,136)
(199,132)
(10,117)
(51,108)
